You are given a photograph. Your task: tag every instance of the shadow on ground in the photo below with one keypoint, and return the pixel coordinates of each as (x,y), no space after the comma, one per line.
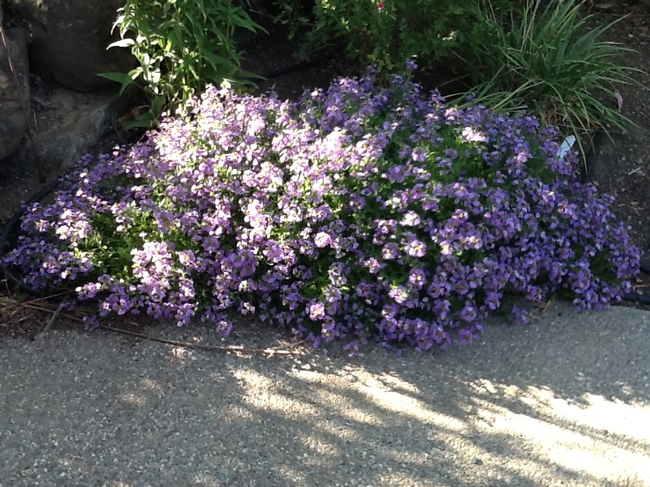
(565,400)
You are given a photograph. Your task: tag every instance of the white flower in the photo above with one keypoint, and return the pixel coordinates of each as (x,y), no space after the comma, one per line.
(411,219)
(322,239)
(472,135)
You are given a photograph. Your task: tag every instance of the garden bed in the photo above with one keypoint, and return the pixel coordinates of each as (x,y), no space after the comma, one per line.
(288,83)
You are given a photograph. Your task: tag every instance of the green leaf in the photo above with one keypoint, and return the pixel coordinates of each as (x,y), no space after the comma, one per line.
(143,120)
(123,78)
(157,105)
(122,43)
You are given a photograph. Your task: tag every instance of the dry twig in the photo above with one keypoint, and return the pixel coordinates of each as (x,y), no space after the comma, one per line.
(13,307)
(50,322)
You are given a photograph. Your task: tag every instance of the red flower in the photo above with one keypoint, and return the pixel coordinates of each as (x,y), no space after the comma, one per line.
(381,5)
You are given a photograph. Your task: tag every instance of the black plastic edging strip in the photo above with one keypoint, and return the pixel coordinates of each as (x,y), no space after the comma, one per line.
(10,228)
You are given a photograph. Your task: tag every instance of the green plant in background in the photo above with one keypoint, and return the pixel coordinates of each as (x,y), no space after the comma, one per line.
(180,45)
(385,33)
(548,60)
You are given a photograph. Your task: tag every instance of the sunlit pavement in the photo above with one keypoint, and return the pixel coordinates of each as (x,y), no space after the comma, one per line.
(564,400)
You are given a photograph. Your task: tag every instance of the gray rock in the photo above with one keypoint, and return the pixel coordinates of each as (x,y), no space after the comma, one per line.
(12,116)
(70,38)
(62,144)
(68,124)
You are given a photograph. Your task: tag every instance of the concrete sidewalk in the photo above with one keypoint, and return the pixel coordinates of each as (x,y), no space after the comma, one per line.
(562,401)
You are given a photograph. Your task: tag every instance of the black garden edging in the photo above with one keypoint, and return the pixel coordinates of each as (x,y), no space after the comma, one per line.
(12,226)
(635,297)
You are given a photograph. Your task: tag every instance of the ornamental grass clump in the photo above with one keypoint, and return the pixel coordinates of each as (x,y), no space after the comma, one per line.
(550,60)
(357,212)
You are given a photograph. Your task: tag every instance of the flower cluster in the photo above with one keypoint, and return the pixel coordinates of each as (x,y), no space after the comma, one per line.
(357,212)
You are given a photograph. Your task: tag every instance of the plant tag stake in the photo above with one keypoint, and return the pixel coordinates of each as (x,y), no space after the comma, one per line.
(565,147)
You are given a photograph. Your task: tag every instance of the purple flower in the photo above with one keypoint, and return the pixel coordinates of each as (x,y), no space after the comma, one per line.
(417,278)
(224,328)
(411,219)
(399,294)
(416,248)
(390,251)
(373,265)
(472,135)
(317,311)
(411,65)
(419,154)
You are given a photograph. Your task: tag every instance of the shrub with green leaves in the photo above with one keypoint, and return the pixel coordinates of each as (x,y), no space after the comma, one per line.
(384,33)
(181,46)
(549,60)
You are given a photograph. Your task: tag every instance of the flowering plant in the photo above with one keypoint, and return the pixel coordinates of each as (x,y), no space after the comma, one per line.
(180,47)
(355,213)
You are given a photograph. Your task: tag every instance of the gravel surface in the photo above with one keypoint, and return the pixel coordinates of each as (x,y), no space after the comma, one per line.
(562,401)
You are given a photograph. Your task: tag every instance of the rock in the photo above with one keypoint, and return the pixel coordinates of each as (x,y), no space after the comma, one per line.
(69,42)
(68,124)
(13,123)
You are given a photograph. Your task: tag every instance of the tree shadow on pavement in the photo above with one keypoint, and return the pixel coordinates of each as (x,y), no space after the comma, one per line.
(564,400)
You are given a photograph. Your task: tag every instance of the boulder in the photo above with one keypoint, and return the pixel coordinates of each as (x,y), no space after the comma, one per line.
(13,122)
(67,125)
(69,42)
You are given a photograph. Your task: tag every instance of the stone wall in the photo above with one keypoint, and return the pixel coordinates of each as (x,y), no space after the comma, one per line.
(69,41)
(57,48)
(14,90)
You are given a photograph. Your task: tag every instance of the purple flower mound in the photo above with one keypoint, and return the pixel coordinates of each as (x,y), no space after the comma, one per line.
(356,213)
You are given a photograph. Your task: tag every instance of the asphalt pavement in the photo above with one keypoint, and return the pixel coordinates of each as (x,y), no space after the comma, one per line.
(564,400)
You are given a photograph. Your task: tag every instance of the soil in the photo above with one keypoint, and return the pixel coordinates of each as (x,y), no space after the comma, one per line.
(619,165)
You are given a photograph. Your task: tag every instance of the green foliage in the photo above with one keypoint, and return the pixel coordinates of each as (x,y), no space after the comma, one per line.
(549,60)
(181,45)
(382,33)
(540,56)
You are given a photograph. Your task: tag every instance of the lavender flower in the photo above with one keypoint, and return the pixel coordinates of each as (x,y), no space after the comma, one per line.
(322,239)
(356,213)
